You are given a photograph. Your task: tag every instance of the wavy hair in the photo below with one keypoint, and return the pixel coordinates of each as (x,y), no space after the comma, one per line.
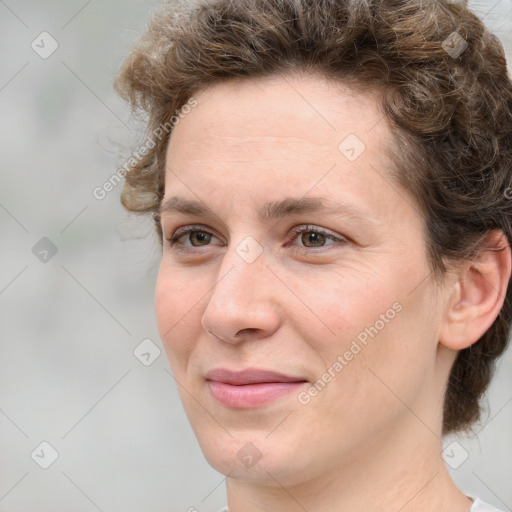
(445,92)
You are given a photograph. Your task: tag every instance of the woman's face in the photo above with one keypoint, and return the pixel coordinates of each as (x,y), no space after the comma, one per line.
(338,298)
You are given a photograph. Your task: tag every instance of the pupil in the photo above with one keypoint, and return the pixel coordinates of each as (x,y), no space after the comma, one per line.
(314,238)
(201,237)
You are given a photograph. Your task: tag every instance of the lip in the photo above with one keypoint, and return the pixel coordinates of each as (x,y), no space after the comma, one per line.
(250,387)
(249,376)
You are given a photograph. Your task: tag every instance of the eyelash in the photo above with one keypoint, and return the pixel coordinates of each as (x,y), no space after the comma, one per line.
(180,233)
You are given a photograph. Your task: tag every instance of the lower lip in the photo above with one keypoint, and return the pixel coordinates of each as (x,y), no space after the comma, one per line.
(251,395)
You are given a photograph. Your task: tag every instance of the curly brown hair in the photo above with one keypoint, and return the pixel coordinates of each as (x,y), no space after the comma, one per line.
(445,92)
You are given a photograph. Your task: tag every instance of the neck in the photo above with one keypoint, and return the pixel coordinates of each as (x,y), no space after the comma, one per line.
(401,471)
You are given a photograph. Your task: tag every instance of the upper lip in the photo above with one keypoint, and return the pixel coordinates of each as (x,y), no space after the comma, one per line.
(249,376)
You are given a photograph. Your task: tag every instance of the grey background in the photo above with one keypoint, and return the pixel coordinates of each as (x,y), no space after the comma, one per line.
(68,375)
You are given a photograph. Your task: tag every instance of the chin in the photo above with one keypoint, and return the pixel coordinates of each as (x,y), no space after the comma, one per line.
(252,456)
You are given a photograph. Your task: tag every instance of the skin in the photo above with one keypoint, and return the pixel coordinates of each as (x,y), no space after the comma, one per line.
(371,438)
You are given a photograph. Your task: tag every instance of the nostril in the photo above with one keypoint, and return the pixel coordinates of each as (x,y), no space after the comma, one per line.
(248,330)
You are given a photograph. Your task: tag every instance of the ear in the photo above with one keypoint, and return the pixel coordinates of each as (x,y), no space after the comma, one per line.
(478,291)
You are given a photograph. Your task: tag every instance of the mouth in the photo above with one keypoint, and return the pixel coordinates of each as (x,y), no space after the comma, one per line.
(251,387)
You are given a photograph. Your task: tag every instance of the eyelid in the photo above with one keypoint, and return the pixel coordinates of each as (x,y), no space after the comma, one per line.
(185,230)
(303,228)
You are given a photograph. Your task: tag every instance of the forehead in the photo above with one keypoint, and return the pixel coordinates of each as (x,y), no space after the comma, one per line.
(280,135)
(302,107)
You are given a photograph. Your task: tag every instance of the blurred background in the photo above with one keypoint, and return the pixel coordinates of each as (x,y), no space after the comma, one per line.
(90,417)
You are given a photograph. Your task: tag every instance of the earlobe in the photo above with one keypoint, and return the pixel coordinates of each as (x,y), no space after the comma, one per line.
(477,295)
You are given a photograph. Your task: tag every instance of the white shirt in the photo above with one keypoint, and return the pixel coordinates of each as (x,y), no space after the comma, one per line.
(478,506)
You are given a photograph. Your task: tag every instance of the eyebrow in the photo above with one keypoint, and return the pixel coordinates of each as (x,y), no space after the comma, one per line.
(272,209)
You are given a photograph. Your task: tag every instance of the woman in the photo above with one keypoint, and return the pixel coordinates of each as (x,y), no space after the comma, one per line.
(330,183)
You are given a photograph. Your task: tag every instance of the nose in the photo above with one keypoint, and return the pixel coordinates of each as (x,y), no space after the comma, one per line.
(244,300)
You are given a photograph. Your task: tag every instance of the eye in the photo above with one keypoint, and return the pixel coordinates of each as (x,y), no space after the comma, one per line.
(194,234)
(310,238)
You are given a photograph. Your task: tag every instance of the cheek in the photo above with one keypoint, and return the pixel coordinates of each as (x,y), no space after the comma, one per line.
(387,343)
(370,318)
(176,307)
(339,305)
